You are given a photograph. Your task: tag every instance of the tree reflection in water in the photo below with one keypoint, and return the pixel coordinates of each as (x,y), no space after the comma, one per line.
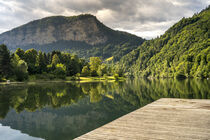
(68,110)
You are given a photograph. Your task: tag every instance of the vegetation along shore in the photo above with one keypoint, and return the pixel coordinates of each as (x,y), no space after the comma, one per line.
(31,65)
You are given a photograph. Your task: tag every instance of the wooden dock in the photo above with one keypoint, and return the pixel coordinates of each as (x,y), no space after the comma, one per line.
(163,119)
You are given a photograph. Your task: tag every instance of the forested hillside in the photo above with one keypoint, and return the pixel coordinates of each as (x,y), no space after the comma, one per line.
(183,51)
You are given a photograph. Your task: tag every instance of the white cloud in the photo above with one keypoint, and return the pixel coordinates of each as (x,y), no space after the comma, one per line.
(105,15)
(146,18)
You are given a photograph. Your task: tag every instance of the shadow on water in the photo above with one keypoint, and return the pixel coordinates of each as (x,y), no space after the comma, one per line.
(67,110)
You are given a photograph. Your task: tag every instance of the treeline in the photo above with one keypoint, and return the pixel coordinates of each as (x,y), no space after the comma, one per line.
(95,67)
(133,94)
(183,51)
(21,64)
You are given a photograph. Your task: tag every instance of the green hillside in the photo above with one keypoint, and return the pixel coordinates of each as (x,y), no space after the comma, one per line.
(183,51)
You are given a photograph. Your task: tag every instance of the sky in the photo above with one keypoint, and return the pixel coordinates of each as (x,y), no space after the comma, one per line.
(144,18)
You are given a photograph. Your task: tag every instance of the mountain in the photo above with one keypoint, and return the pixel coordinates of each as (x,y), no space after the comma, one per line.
(183,51)
(83,35)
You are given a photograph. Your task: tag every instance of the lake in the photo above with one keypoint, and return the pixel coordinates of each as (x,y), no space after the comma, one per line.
(67,110)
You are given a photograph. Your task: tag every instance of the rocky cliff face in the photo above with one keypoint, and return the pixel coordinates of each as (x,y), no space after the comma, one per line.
(83,35)
(84,28)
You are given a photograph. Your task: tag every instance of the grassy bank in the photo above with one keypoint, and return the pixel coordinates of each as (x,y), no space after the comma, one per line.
(92,79)
(73,78)
(49,78)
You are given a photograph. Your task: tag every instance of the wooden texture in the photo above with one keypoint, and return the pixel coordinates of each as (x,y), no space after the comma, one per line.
(163,119)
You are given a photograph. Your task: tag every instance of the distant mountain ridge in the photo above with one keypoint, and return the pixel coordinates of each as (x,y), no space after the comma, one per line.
(83,35)
(183,51)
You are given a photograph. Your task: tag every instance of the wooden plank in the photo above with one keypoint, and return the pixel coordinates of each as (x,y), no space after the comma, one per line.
(163,119)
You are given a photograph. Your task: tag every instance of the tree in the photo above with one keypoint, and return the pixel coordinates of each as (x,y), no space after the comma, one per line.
(58,53)
(94,63)
(30,58)
(20,53)
(85,71)
(187,68)
(74,66)
(55,59)
(118,70)
(21,72)
(102,69)
(5,64)
(14,61)
(41,62)
(60,71)
(180,71)
(99,72)
(19,68)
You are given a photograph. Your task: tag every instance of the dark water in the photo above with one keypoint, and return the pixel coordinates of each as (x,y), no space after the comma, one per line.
(67,110)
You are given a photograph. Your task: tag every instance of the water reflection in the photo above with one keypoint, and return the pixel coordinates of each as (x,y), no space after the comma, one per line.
(7,133)
(65,111)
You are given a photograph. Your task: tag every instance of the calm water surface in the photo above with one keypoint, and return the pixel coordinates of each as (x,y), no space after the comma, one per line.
(67,110)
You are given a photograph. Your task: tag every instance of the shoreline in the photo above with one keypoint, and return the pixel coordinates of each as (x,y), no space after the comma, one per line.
(68,80)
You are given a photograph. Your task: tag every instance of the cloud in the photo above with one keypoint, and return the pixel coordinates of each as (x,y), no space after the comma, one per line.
(145,18)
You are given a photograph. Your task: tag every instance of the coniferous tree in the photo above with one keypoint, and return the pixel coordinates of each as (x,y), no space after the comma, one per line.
(55,59)
(41,62)
(5,63)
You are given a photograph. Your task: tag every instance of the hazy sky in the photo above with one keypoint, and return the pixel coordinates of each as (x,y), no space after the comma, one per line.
(145,18)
